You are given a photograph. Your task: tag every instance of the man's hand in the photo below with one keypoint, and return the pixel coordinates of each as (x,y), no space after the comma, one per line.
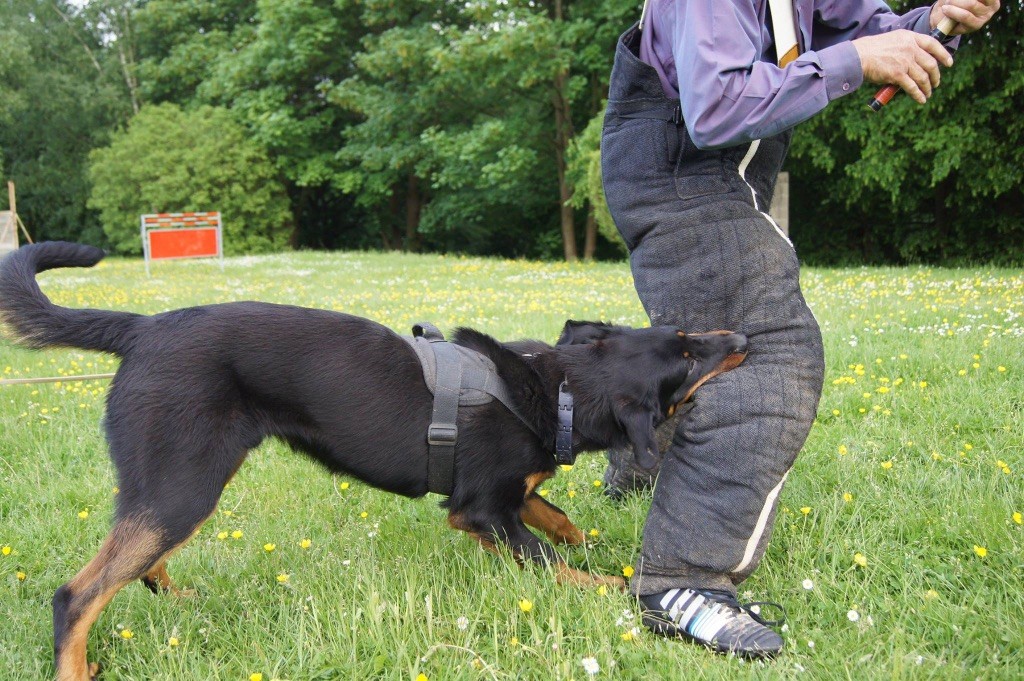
(970,15)
(905,58)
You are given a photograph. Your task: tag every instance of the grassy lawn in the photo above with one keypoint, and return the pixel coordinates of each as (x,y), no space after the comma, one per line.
(899,549)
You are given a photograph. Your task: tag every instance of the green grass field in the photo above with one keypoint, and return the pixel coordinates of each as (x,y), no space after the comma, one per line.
(898,553)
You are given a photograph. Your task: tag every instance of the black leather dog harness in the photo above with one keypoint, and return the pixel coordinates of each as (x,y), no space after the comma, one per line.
(457,376)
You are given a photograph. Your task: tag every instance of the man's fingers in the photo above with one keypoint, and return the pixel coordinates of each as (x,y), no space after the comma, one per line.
(923,80)
(934,48)
(931,67)
(971,15)
(909,85)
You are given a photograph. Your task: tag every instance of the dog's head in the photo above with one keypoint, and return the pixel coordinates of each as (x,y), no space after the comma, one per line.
(649,372)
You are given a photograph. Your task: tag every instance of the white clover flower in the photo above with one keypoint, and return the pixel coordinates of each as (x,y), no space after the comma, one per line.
(590,665)
(808,584)
(462,623)
(853,615)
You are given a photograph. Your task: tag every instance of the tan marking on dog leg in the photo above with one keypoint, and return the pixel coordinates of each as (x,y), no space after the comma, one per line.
(550,520)
(457,522)
(571,576)
(534,480)
(124,556)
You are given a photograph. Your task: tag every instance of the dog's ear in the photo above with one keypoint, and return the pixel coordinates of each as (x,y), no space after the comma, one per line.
(577,333)
(639,426)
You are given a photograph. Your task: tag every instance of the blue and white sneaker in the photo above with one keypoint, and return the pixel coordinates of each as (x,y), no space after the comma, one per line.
(714,619)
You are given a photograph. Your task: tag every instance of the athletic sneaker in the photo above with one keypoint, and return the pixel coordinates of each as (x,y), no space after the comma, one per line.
(714,619)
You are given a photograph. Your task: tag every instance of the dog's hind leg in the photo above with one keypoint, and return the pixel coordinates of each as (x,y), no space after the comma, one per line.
(550,520)
(132,546)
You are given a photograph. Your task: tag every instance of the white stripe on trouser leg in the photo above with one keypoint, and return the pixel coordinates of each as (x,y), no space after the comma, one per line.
(747,158)
(762,521)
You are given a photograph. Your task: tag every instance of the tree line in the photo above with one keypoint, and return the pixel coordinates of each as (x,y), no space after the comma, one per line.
(448,126)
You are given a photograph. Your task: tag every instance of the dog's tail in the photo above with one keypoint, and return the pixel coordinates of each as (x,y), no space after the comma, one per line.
(37,323)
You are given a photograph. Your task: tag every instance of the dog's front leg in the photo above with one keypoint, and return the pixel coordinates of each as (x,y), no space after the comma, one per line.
(550,520)
(526,546)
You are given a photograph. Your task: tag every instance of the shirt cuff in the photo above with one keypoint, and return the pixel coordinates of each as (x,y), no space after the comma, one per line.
(924,22)
(840,64)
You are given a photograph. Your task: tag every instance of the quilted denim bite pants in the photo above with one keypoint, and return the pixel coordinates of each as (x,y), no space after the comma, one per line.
(706,256)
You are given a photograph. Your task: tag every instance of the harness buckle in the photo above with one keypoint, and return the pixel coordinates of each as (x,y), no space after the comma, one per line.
(442,434)
(677,114)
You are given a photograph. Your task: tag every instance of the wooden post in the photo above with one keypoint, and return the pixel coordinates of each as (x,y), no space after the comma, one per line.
(10,197)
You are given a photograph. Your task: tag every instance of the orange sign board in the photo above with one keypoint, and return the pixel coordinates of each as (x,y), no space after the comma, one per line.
(170,236)
(201,242)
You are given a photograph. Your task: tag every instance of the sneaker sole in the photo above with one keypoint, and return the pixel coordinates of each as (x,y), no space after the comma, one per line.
(664,628)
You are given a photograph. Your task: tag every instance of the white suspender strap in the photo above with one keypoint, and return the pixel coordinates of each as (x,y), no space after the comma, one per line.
(784,27)
(643,13)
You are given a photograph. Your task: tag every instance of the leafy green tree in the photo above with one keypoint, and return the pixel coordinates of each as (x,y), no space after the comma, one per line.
(170,160)
(60,96)
(270,62)
(938,183)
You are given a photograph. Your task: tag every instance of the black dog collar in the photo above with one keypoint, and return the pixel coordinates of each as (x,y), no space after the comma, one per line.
(563,436)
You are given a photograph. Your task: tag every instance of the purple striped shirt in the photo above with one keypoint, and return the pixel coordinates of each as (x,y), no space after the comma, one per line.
(728,83)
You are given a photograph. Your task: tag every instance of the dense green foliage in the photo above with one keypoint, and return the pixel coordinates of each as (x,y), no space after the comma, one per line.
(194,160)
(473,127)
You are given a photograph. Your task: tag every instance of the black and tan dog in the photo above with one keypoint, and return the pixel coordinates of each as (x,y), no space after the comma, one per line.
(198,388)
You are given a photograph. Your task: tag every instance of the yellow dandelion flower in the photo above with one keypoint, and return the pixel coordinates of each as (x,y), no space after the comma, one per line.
(571,493)
(256,677)
(20,575)
(1001,369)
(886,465)
(602,590)
(269,548)
(836,412)
(805,510)
(305,544)
(627,571)
(344,485)
(283,578)
(127,634)
(421,677)
(923,384)
(83,514)
(222,535)
(931,594)
(542,492)
(597,483)
(237,534)
(843,450)
(626,636)
(968,446)
(364,514)
(565,466)
(860,559)
(514,641)
(847,497)
(1017,518)
(981,551)
(6,550)
(116,490)
(526,605)
(594,532)
(173,642)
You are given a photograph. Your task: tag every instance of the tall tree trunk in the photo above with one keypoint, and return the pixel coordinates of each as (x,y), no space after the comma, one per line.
(590,238)
(413,204)
(563,133)
(389,233)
